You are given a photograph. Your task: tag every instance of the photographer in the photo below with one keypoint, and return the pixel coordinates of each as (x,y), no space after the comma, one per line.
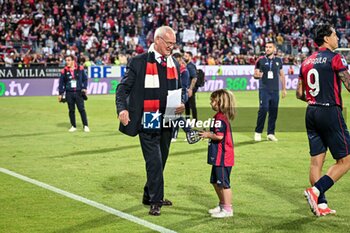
(73,82)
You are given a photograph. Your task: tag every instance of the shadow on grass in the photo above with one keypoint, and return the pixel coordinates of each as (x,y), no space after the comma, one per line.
(130,184)
(125,183)
(63,125)
(197,150)
(191,193)
(289,194)
(90,225)
(194,216)
(204,148)
(266,223)
(300,224)
(246,143)
(292,194)
(286,224)
(99,151)
(27,135)
(199,222)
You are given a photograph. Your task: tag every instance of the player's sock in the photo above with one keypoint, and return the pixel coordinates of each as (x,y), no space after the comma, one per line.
(324,184)
(322,199)
(228,208)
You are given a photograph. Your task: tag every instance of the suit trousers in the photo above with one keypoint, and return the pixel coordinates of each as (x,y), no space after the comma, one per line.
(155,149)
(75,98)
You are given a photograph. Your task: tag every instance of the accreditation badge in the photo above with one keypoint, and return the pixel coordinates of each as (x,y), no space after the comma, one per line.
(270,75)
(73,84)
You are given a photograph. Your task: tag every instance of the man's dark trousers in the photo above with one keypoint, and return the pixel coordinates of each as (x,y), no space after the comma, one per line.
(268,103)
(72,99)
(155,149)
(190,105)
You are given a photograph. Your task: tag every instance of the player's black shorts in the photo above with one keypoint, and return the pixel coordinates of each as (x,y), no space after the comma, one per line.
(326,128)
(221,176)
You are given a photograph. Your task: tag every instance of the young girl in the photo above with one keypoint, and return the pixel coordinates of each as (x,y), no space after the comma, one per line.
(220,150)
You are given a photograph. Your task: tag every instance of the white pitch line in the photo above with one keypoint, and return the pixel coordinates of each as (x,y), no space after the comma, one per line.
(89,202)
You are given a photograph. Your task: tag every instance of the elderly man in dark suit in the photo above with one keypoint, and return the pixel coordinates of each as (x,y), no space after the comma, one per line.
(141,102)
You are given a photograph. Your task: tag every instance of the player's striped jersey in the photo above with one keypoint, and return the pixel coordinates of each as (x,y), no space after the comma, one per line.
(319,74)
(221,153)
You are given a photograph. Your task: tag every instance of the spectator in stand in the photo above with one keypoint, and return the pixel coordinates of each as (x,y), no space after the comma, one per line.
(98,61)
(94,25)
(51,60)
(279,41)
(34,60)
(8,59)
(2,60)
(343,41)
(305,50)
(87,62)
(211,60)
(290,70)
(27,59)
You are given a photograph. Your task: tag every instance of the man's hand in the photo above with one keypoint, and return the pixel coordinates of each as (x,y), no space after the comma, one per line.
(205,134)
(189,92)
(180,109)
(300,92)
(284,93)
(60,98)
(257,74)
(210,135)
(124,117)
(84,94)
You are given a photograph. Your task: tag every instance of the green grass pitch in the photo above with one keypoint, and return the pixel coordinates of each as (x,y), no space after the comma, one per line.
(107,167)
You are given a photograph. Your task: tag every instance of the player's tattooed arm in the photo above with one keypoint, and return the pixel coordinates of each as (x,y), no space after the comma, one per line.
(345,78)
(300,93)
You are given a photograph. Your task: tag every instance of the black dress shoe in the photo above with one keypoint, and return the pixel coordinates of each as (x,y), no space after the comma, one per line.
(164,202)
(154,210)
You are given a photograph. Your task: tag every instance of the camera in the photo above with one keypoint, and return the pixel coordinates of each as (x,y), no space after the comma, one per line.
(84,96)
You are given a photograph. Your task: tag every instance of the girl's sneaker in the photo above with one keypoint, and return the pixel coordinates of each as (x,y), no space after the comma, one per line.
(215,210)
(223,214)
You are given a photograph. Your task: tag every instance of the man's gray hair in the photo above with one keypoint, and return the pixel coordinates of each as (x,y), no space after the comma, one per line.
(162,31)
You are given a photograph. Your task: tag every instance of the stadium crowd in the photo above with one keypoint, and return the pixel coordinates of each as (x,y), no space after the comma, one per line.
(101,32)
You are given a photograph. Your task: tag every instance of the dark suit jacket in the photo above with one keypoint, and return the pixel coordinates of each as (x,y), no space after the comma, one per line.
(130,93)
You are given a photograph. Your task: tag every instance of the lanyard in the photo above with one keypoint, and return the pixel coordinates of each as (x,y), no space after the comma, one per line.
(270,63)
(71,71)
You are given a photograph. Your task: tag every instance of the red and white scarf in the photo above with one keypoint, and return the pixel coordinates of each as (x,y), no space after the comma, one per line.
(152,85)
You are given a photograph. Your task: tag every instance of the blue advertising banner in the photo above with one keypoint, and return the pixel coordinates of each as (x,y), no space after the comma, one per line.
(241,83)
(103,86)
